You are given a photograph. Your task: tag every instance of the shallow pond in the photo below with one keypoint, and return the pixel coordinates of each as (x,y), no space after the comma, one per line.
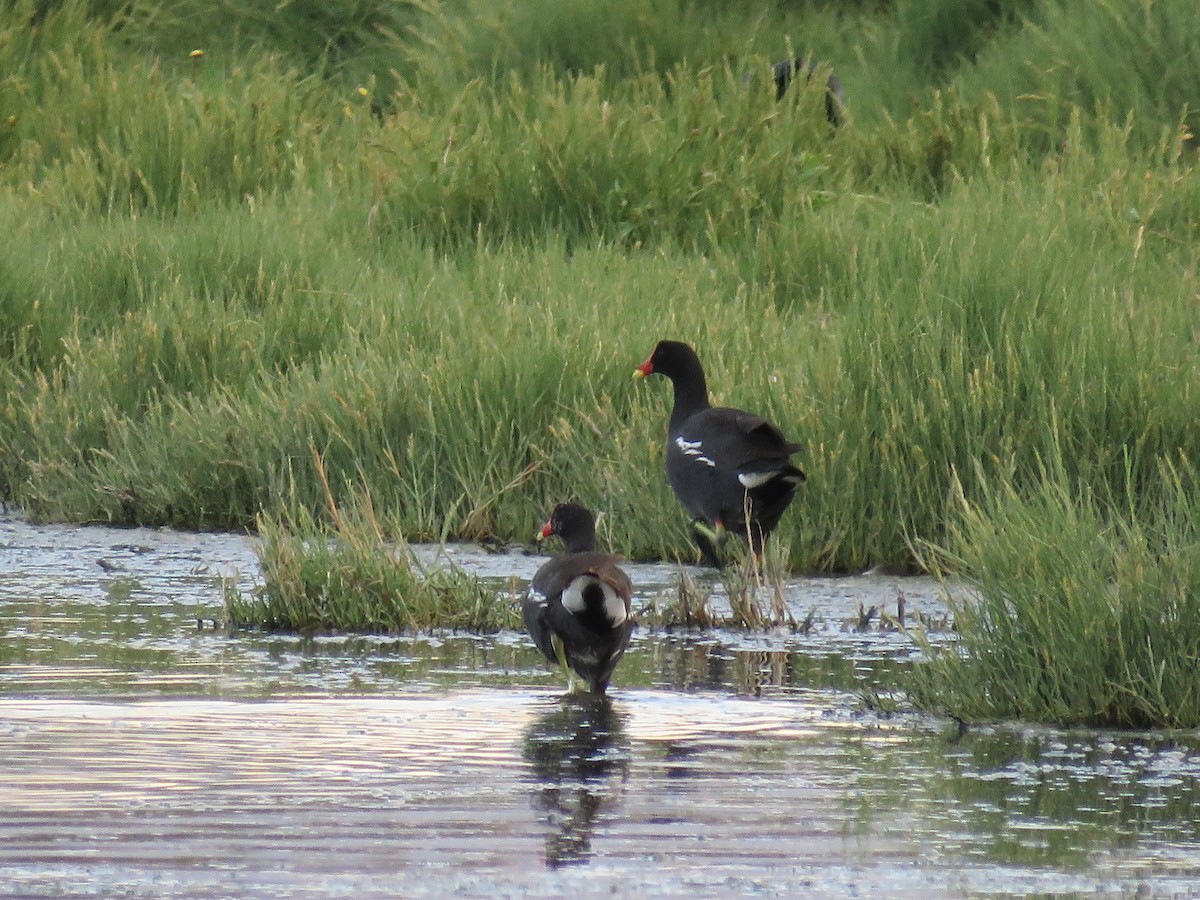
(144,751)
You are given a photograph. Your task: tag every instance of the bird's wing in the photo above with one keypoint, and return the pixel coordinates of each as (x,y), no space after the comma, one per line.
(747,442)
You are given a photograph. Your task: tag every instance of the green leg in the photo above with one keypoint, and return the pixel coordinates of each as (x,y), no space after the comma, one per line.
(716,535)
(709,540)
(561,652)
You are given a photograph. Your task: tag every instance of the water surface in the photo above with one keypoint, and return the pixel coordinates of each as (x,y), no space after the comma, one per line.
(145,751)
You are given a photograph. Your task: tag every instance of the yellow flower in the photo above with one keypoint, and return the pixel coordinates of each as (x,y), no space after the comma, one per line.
(195,54)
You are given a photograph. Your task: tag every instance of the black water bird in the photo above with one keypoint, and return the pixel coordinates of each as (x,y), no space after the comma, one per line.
(786,71)
(729,468)
(577,609)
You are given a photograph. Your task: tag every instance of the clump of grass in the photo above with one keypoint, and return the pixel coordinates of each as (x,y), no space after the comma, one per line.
(353,577)
(746,610)
(631,164)
(688,606)
(1080,611)
(494,40)
(1113,61)
(940,33)
(754,589)
(346,42)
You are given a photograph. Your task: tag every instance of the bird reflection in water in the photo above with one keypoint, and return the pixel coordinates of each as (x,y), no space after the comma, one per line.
(579,758)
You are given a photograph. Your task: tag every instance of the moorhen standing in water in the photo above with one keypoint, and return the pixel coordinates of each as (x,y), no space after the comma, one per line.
(728,467)
(577,608)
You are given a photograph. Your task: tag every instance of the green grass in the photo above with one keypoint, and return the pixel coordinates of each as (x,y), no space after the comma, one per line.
(431,241)
(695,161)
(1105,58)
(359,575)
(1080,612)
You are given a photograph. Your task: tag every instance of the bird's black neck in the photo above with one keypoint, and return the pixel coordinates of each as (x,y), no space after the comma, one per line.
(580,539)
(691,395)
(576,526)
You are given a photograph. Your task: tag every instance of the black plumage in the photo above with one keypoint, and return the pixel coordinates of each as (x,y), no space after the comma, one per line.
(577,609)
(786,71)
(729,468)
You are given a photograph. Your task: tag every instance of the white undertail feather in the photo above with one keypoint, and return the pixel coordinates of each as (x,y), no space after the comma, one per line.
(573,602)
(614,606)
(752,480)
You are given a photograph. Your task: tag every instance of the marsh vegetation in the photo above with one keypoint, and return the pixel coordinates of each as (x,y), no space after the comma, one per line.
(411,252)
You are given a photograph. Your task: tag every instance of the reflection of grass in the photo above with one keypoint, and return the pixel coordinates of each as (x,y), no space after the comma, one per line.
(1104,791)
(1084,610)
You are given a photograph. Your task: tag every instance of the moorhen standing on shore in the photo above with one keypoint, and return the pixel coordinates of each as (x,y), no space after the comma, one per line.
(577,608)
(786,71)
(728,467)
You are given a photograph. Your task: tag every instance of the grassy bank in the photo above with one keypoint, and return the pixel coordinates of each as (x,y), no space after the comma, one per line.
(1079,612)
(430,241)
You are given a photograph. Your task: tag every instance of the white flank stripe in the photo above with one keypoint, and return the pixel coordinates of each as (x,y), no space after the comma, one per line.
(692,448)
